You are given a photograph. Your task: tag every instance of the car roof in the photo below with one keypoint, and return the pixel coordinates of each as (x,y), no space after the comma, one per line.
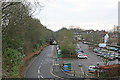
(91,66)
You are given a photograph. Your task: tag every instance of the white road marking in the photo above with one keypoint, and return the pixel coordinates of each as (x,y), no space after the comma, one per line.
(38,76)
(57,64)
(82,71)
(39,67)
(38,71)
(41,76)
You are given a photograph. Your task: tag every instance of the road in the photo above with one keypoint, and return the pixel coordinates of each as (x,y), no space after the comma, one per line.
(92,59)
(41,66)
(46,66)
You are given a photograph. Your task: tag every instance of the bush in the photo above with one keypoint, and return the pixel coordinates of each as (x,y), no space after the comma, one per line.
(15,72)
(14,56)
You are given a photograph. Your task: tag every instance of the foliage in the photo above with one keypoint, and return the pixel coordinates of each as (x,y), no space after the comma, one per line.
(66,41)
(21,34)
(14,56)
(15,72)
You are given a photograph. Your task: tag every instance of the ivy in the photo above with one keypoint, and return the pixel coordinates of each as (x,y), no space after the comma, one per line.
(14,56)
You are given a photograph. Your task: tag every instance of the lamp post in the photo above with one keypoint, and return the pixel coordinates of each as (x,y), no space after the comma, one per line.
(98,71)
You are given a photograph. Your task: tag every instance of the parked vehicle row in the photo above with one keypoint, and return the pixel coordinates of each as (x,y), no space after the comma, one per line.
(113,49)
(80,53)
(110,55)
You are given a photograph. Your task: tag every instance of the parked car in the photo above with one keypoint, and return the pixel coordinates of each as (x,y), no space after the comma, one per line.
(112,57)
(85,55)
(96,50)
(116,55)
(119,57)
(99,53)
(112,48)
(91,68)
(106,56)
(118,51)
(102,55)
(104,52)
(80,50)
(81,56)
(85,42)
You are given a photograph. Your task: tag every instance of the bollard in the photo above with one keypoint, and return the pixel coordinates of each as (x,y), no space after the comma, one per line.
(74,72)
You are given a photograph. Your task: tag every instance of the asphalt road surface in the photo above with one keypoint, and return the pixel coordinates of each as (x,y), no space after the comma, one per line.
(41,66)
(92,59)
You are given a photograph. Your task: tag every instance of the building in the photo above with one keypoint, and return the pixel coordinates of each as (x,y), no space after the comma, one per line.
(118,27)
(119,13)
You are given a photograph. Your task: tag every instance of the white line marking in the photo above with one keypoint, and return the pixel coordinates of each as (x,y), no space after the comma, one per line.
(41,76)
(82,71)
(38,76)
(39,67)
(38,71)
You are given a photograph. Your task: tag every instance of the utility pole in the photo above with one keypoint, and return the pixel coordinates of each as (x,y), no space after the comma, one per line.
(98,71)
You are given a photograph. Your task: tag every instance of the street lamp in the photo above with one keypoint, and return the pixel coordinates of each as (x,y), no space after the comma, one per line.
(98,70)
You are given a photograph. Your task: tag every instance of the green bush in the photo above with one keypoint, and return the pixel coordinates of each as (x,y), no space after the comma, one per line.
(15,72)
(14,56)
(34,50)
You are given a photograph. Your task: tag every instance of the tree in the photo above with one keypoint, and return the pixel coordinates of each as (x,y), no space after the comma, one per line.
(66,41)
(21,34)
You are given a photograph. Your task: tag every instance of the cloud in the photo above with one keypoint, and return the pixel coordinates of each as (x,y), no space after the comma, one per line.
(96,14)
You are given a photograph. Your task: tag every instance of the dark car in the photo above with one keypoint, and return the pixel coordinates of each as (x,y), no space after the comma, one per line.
(99,53)
(119,57)
(118,51)
(112,57)
(96,50)
(106,56)
(80,50)
(102,55)
(104,52)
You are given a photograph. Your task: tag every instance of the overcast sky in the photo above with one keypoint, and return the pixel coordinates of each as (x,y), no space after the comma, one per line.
(86,14)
